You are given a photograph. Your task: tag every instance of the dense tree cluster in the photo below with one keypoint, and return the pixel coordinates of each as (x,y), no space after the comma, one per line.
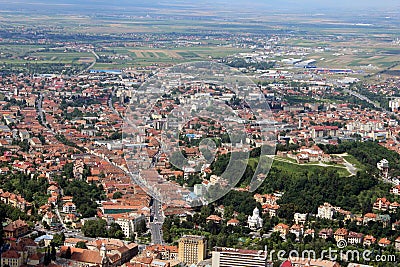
(242,63)
(33,189)
(34,68)
(217,234)
(7,211)
(305,191)
(307,188)
(61,138)
(368,153)
(99,228)
(84,195)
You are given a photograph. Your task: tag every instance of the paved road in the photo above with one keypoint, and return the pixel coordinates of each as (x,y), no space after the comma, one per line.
(350,167)
(156,233)
(59,217)
(94,53)
(110,104)
(40,110)
(156,224)
(362,97)
(91,65)
(158,217)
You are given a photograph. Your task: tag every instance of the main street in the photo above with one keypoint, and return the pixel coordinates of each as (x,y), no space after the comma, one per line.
(41,114)
(156,224)
(158,218)
(110,103)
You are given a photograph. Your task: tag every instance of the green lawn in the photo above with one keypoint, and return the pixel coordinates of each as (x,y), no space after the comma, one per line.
(291,165)
(310,167)
(354,161)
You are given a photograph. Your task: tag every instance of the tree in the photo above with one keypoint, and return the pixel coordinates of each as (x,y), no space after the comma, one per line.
(276,237)
(53,253)
(81,244)
(2,217)
(47,257)
(68,253)
(117,195)
(291,237)
(307,239)
(142,228)
(115,231)
(58,239)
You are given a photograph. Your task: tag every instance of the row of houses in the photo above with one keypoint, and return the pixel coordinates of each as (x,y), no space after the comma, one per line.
(350,237)
(17,201)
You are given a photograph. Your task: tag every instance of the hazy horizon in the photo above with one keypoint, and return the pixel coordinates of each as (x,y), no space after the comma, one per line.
(258,6)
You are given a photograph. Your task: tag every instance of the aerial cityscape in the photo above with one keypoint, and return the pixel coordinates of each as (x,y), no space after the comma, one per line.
(199,133)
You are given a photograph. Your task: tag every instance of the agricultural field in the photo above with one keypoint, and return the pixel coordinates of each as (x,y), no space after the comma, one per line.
(371,55)
(42,59)
(143,56)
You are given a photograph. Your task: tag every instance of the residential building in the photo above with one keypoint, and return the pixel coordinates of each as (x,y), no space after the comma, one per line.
(214,218)
(297,229)
(369,217)
(71,242)
(383,166)
(324,131)
(358,265)
(310,232)
(16,229)
(50,218)
(23,252)
(111,255)
(381,204)
(17,201)
(397,243)
(11,258)
(325,233)
(384,242)
(300,218)
(302,262)
(270,209)
(162,252)
(233,222)
(282,228)
(369,240)
(355,238)
(340,234)
(130,222)
(326,211)
(395,190)
(69,207)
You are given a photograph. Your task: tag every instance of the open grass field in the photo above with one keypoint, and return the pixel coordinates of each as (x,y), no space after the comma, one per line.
(21,54)
(144,56)
(307,167)
(137,56)
(153,53)
(291,165)
(354,161)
